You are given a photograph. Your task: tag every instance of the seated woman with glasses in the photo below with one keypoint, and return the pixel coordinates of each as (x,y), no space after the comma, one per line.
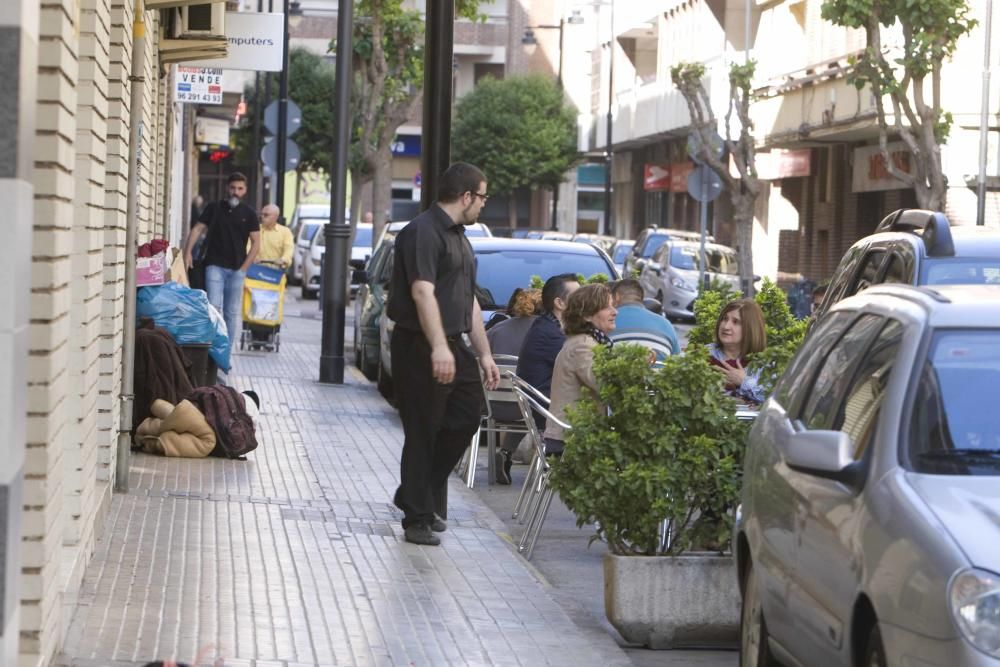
(588,319)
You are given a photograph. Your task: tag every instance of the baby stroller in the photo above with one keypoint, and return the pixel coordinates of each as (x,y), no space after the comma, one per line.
(263,307)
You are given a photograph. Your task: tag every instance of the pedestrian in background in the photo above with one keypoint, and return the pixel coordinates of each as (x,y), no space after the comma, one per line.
(230,223)
(276,242)
(438,386)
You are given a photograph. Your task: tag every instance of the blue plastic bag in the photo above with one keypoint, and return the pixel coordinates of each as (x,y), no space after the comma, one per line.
(187,316)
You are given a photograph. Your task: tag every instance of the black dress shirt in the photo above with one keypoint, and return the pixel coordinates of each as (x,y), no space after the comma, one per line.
(433,248)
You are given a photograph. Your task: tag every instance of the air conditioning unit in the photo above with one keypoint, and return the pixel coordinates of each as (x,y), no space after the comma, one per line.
(200,21)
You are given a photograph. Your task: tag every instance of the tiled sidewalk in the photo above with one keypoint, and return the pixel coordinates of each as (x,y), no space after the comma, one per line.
(295,557)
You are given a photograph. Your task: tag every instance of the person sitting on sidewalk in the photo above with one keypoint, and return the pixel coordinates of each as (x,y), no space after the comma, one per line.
(276,242)
(537,356)
(636,324)
(588,322)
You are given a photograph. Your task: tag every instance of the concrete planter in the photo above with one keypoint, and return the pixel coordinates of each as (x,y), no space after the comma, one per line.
(671,602)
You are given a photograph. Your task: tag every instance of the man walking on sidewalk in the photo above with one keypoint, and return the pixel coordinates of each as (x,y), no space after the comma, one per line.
(436,378)
(230,223)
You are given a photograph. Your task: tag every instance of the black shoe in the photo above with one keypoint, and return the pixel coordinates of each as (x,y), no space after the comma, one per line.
(501,466)
(420,533)
(438,525)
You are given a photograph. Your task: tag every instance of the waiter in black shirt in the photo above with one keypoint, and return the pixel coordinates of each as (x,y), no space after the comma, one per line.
(435,376)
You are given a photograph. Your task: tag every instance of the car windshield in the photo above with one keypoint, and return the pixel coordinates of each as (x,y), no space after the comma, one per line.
(965,271)
(500,272)
(310,229)
(954,425)
(653,244)
(621,252)
(685,256)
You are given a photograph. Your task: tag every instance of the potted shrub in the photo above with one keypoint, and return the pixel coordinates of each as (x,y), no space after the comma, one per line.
(655,465)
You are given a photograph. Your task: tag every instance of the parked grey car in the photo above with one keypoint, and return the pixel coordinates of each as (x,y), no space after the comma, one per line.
(869,530)
(671,274)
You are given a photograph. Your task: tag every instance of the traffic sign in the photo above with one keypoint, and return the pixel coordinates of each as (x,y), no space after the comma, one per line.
(269,154)
(271,118)
(704,184)
(716,145)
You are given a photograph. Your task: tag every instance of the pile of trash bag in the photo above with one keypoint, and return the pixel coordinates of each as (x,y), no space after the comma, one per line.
(187,315)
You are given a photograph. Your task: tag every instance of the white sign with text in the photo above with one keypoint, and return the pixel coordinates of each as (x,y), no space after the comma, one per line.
(198,85)
(255,43)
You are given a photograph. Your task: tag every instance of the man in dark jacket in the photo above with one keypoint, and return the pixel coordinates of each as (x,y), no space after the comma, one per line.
(539,351)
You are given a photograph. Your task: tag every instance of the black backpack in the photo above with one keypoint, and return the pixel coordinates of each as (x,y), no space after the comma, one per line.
(226,413)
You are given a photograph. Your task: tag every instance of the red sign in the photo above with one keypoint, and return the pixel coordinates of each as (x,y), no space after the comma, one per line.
(679,176)
(656,177)
(778,164)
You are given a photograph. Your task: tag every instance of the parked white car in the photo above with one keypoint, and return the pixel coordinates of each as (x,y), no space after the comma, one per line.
(361,250)
(869,530)
(671,274)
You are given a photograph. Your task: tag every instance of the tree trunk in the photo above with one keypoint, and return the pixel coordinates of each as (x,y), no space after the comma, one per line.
(357,185)
(743,210)
(512,209)
(382,189)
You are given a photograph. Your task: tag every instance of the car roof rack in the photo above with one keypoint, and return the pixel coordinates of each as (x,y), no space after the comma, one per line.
(933,226)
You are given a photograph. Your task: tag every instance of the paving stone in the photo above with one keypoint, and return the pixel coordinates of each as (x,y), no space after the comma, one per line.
(295,557)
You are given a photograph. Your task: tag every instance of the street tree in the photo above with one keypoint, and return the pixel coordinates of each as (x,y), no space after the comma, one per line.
(388,69)
(310,82)
(909,75)
(519,131)
(743,189)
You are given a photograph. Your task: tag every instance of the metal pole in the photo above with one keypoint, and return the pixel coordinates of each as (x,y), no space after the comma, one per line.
(282,137)
(439,49)
(439,40)
(559,81)
(703,227)
(336,233)
(608,153)
(984,120)
(258,116)
(127,398)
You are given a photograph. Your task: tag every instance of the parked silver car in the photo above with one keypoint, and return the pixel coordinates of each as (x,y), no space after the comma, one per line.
(671,274)
(869,530)
(361,250)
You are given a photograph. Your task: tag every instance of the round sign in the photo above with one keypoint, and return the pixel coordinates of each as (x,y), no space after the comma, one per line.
(704,184)
(269,155)
(271,118)
(716,145)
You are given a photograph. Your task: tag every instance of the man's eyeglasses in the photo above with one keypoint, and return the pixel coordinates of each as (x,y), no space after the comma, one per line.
(482,195)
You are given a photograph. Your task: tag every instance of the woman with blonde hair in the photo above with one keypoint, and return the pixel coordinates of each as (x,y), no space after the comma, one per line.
(507,336)
(588,319)
(739,333)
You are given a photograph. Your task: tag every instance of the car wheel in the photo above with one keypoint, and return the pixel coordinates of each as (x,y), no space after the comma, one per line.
(874,651)
(754,649)
(367,368)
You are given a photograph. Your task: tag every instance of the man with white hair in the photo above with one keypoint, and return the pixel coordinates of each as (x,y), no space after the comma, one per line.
(276,242)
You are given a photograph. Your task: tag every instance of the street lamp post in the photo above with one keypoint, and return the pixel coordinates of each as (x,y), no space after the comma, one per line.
(530,41)
(608,149)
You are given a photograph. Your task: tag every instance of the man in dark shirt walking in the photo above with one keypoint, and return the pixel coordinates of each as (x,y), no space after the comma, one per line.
(229,223)
(436,379)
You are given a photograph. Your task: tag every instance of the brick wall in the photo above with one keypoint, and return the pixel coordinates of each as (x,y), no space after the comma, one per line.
(77,283)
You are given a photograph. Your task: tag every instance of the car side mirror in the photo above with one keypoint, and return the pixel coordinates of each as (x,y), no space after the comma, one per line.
(653,305)
(359,277)
(827,454)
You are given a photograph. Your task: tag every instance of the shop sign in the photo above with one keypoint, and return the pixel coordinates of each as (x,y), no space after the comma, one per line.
(198,85)
(871,173)
(211,131)
(679,172)
(656,177)
(255,42)
(406,145)
(778,164)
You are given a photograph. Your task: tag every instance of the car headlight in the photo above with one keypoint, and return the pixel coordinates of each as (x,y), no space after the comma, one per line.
(315,262)
(974,598)
(679,283)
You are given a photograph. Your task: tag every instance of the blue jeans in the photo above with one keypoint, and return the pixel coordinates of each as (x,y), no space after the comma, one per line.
(225,292)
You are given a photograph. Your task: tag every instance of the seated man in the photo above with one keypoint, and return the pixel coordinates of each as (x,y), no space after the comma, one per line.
(637,325)
(538,355)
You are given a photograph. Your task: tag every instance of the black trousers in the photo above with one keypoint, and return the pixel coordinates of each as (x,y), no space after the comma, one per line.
(439,420)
